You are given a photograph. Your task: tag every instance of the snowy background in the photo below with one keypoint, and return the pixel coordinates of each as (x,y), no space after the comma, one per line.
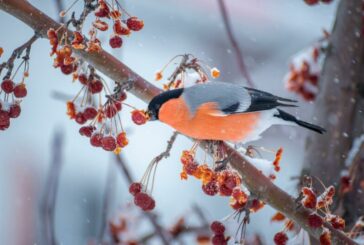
(269,33)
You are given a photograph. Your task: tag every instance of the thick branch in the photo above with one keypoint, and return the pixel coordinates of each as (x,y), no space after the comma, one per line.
(116,70)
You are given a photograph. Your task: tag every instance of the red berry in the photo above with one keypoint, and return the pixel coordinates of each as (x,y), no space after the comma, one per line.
(217,228)
(7,86)
(135,24)
(102,11)
(311,2)
(14,111)
(20,91)
(280,238)
(219,240)
(225,191)
(144,201)
(80,118)
(96,86)
(90,113)
(135,188)
(120,28)
(4,120)
(116,41)
(110,111)
(138,117)
(83,79)
(315,221)
(122,96)
(67,69)
(95,140)
(191,168)
(87,130)
(118,106)
(121,140)
(108,143)
(210,188)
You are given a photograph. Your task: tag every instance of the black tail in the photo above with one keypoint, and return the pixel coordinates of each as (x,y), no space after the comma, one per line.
(288,117)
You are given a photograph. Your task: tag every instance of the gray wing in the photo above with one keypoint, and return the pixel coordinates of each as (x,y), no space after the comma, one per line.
(231,98)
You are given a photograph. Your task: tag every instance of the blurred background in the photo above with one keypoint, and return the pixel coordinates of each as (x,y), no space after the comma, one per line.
(269,32)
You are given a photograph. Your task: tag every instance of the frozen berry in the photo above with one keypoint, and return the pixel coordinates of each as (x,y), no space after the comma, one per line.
(67,69)
(87,131)
(315,221)
(144,201)
(135,188)
(7,86)
(90,113)
(14,111)
(116,41)
(280,238)
(191,168)
(217,228)
(83,79)
(95,140)
(110,111)
(20,91)
(219,240)
(210,188)
(108,143)
(120,28)
(225,191)
(4,120)
(96,86)
(80,119)
(135,24)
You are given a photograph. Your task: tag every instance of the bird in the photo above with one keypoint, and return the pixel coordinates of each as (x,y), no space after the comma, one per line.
(223,111)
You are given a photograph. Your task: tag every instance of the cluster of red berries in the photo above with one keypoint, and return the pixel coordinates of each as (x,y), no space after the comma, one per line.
(218,229)
(141,198)
(314,2)
(10,107)
(120,27)
(190,71)
(224,183)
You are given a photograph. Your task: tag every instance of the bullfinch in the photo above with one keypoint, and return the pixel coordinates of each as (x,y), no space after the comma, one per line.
(223,111)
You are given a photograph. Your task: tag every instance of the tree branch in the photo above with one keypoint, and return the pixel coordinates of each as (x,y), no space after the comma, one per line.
(117,71)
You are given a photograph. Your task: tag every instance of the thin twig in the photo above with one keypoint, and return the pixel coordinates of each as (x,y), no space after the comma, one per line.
(107,199)
(48,202)
(60,8)
(234,43)
(9,65)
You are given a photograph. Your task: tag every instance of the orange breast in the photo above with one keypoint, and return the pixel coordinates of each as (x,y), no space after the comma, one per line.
(207,123)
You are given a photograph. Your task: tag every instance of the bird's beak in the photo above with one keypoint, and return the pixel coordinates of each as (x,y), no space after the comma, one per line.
(151,116)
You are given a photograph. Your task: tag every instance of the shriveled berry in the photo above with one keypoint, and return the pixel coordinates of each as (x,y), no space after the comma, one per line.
(325,237)
(67,69)
(144,201)
(20,91)
(135,24)
(225,191)
(135,188)
(90,113)
(102,11)
(96,86)
(191,168)
(315,221)
(120,28)
(116,41)
(7,86)
(80,119)
(219,240)
(95,140)
(217,228)
(108,143)
(14,111)
(210,188)
(280,238)
(87,130)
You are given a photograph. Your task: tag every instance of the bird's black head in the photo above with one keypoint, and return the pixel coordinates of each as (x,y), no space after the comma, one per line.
(156,103)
